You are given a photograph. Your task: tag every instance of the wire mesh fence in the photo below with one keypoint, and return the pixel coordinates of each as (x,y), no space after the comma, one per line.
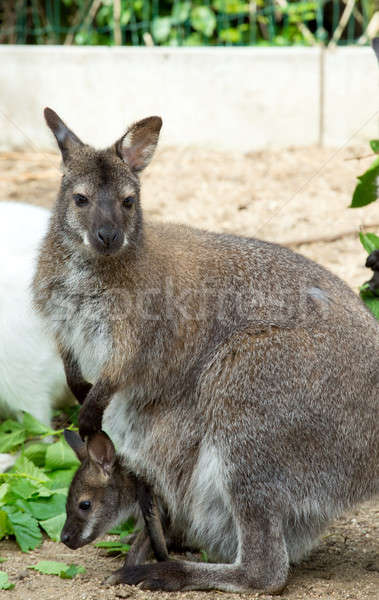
(188,22)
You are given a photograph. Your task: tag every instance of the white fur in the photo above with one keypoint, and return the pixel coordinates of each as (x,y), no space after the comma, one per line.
(75,317)
(204,513)
(32,378)
(210,515)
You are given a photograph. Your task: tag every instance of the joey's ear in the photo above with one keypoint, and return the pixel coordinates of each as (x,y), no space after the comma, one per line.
(67,140)
(76,443)
(101,452)
(137,146)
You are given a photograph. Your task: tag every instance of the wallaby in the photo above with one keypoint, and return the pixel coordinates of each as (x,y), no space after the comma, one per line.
(103,494)
(238,378)
(32,378)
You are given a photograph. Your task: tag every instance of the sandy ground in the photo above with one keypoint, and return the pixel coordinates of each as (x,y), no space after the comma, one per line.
(296,197)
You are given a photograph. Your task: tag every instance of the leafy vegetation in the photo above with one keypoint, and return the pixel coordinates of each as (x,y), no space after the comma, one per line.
(51,567)
(367,191)
(33,492)
(118,546)
(4,582)
(180,22)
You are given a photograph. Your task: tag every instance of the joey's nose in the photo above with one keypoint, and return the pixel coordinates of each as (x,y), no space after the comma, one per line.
(65,537)
(107,236)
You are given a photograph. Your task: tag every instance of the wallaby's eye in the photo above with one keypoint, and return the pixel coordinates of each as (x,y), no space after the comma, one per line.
(80,200)
(85,505)
(128,202)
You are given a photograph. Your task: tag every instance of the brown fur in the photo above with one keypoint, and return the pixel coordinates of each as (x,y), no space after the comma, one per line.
(240,379)
(112,492)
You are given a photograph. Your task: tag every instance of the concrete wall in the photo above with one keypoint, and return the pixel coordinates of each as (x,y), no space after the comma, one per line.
(225,98)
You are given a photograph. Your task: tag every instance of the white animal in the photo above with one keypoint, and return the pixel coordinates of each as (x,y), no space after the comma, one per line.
(32,377)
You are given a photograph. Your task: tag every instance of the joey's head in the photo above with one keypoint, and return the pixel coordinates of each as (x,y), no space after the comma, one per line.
(98,207)
(101,491)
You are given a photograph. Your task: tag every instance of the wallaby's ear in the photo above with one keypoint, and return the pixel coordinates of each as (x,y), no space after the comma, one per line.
(76,443)
(102,453)
(375,45)
(137,146)
(67,140)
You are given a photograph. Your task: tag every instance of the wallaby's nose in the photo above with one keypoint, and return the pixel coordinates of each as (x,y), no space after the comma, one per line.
(107,235)
(65,537)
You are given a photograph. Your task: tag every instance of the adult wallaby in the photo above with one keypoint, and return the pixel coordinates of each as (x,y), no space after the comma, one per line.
(103,494)
(240,379)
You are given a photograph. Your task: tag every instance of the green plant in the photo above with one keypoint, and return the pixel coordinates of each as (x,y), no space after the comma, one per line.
(367,191)
(118,546)
(51,567)
(33,492)
(180,22)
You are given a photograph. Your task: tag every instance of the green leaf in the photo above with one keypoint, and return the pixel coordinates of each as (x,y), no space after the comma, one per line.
(4,582)
(367,189)
(51,567)
(25,528)
(4,489)
(3,559)
(54,526)
(44,509)
(25,468)
(203,20)
(116,547)
(369,241)
(5,526)
(10,441)
(32,426)
(61,479)
(230,35)
(10,425)
(160,29)
(372,302)
(375,146)
(60,456)
(36,452)
(204,556)
(180,12)
(124,528)
(72,571)
(23,488)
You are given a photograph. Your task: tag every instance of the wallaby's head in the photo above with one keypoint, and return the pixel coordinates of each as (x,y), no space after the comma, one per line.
(99,205)
(101,491)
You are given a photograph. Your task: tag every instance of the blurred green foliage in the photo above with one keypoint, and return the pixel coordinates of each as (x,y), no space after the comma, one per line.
(180,23)
(366,192)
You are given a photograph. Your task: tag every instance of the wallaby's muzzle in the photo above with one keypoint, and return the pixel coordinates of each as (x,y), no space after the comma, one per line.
(108,239)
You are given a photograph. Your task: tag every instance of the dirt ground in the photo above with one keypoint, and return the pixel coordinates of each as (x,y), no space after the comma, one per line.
(295,197)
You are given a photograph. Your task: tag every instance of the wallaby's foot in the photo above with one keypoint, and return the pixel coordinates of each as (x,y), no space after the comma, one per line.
(182,575)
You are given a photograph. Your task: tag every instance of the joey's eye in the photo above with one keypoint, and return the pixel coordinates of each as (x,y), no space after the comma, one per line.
(85,505)
(128,202)
(80,200)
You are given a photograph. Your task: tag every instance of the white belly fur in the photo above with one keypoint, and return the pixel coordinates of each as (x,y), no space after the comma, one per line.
(204,513)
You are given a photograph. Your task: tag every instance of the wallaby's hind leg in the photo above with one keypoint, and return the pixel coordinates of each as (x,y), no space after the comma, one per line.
(140,550)
(261,565)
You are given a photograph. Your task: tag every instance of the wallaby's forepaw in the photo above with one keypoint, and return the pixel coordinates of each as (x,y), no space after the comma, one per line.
(90,420)
(81,391)
(167,576)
